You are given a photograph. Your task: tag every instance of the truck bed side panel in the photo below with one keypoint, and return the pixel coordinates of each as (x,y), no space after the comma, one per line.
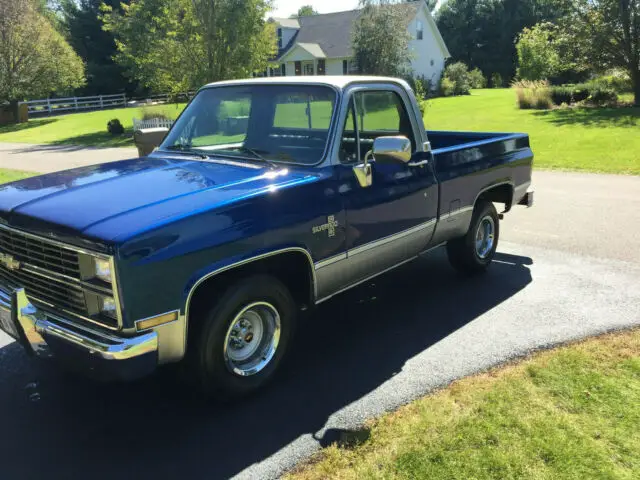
(465,169)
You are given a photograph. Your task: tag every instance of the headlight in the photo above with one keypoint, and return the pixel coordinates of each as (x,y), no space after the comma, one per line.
(102,269)
(108,307)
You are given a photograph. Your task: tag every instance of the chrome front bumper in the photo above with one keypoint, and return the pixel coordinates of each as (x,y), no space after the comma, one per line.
(99,354)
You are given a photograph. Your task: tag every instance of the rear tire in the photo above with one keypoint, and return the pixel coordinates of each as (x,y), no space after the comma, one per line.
(243,338)
(473,253)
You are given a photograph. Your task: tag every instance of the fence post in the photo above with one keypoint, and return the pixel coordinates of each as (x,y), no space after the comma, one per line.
(75,103)
(101,104)
(49,105)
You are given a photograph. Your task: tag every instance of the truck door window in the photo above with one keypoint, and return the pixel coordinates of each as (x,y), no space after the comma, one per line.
(381,113)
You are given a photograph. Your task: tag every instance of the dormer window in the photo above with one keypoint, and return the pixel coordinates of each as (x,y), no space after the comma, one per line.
(419,30)
(279,38)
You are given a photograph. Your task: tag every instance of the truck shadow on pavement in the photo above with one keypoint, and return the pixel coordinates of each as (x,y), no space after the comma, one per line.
(57,426)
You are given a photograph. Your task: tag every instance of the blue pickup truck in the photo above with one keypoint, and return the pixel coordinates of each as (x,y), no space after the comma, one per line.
(265,198)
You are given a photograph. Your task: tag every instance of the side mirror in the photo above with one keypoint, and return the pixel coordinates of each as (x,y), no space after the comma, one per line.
(392,150)
(148,139)
(389,150)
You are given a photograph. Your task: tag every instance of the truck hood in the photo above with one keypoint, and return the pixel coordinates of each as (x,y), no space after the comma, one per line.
(114,201)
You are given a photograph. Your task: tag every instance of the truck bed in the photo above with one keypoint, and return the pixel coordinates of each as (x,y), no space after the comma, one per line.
(469,163)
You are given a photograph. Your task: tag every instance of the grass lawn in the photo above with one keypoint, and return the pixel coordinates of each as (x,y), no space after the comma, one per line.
(589,139)
(88,128)
(570,413)
(7,175)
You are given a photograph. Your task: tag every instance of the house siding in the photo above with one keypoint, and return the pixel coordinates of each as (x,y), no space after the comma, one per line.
(426,50)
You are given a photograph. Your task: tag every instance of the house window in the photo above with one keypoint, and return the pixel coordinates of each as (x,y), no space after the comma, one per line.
(419,30)
(276,71)
(307,68)
(349,67)
(279,38)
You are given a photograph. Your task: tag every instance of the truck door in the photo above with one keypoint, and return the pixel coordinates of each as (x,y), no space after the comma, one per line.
(393,219)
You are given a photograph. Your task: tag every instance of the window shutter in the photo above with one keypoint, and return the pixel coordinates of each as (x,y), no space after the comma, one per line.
(298,68)
(284,70)
(321,67)
(345,67)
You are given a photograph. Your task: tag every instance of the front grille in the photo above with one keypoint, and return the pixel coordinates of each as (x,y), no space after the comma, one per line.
(40,253)
(43,266)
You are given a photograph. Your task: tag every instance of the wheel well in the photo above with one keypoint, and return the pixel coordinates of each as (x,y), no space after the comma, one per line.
(498,194)
(292,268)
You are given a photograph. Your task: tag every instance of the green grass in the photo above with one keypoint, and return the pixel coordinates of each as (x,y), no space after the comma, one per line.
(588,139)
(7,175)
(572,413)
(89,128)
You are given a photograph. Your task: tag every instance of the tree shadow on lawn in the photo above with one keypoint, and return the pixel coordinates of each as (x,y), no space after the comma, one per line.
(18,127)
(344,350)
(99,139)
(593,117)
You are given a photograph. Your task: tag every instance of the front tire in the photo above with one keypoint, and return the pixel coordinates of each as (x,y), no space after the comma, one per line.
(474,252)
(243,338)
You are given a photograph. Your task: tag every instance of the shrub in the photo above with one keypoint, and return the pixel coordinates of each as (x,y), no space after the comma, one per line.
(601,95)
(618,81)
(580,93)
(458,73)
(476,78)
(560,95)
(533,94)
(447,87)
(149,114)
(421,86)
(496,80)
(114,127)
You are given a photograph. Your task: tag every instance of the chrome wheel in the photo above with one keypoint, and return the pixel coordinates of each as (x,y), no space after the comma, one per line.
(252,339)
(485,236)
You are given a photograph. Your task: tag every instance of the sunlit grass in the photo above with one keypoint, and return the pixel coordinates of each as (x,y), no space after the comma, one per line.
(572,413)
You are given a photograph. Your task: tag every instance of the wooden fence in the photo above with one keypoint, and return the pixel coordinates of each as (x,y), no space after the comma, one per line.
(58,105)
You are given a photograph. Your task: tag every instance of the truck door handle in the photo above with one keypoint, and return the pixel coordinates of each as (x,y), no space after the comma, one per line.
(421,163)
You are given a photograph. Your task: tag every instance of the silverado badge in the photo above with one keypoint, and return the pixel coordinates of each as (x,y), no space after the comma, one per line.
(330,226)
(9,262)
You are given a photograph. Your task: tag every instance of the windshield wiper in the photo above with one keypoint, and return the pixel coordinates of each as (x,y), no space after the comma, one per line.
(181,147)
(257,156)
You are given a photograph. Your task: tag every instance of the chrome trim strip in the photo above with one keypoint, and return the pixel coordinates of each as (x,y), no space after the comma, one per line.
(115,291)
(244,262)
(330,261)
(57,243)
(456,212)
(57,308)
(390,238)
(359,282)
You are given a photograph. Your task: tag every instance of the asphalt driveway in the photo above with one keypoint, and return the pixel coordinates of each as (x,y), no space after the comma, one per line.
(567,268)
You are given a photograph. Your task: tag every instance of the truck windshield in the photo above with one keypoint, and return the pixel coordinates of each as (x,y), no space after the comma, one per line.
(271,123)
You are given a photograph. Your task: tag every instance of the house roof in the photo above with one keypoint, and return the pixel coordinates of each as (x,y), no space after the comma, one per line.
(332,31)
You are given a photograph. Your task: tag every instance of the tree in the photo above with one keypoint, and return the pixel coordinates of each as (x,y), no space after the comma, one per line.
(608,33)
(179,45)
(483,33)
(35,59)
(374,51)
(306,10)
(538,57)
(95,46)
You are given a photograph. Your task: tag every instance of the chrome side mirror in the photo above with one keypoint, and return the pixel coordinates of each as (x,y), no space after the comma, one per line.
(392,150)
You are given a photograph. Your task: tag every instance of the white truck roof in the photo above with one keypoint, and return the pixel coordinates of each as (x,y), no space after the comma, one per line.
(338,81)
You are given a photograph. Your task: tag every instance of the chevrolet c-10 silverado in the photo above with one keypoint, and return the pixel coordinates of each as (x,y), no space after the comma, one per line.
(265,198)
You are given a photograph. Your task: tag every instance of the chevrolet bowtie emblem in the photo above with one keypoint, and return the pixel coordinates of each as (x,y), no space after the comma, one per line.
(330,226)
(9,262)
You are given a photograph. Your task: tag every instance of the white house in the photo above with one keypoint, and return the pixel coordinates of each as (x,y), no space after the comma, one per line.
(321,44)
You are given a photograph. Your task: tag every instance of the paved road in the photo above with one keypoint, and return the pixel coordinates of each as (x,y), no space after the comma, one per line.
(365,352)
(51,158)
